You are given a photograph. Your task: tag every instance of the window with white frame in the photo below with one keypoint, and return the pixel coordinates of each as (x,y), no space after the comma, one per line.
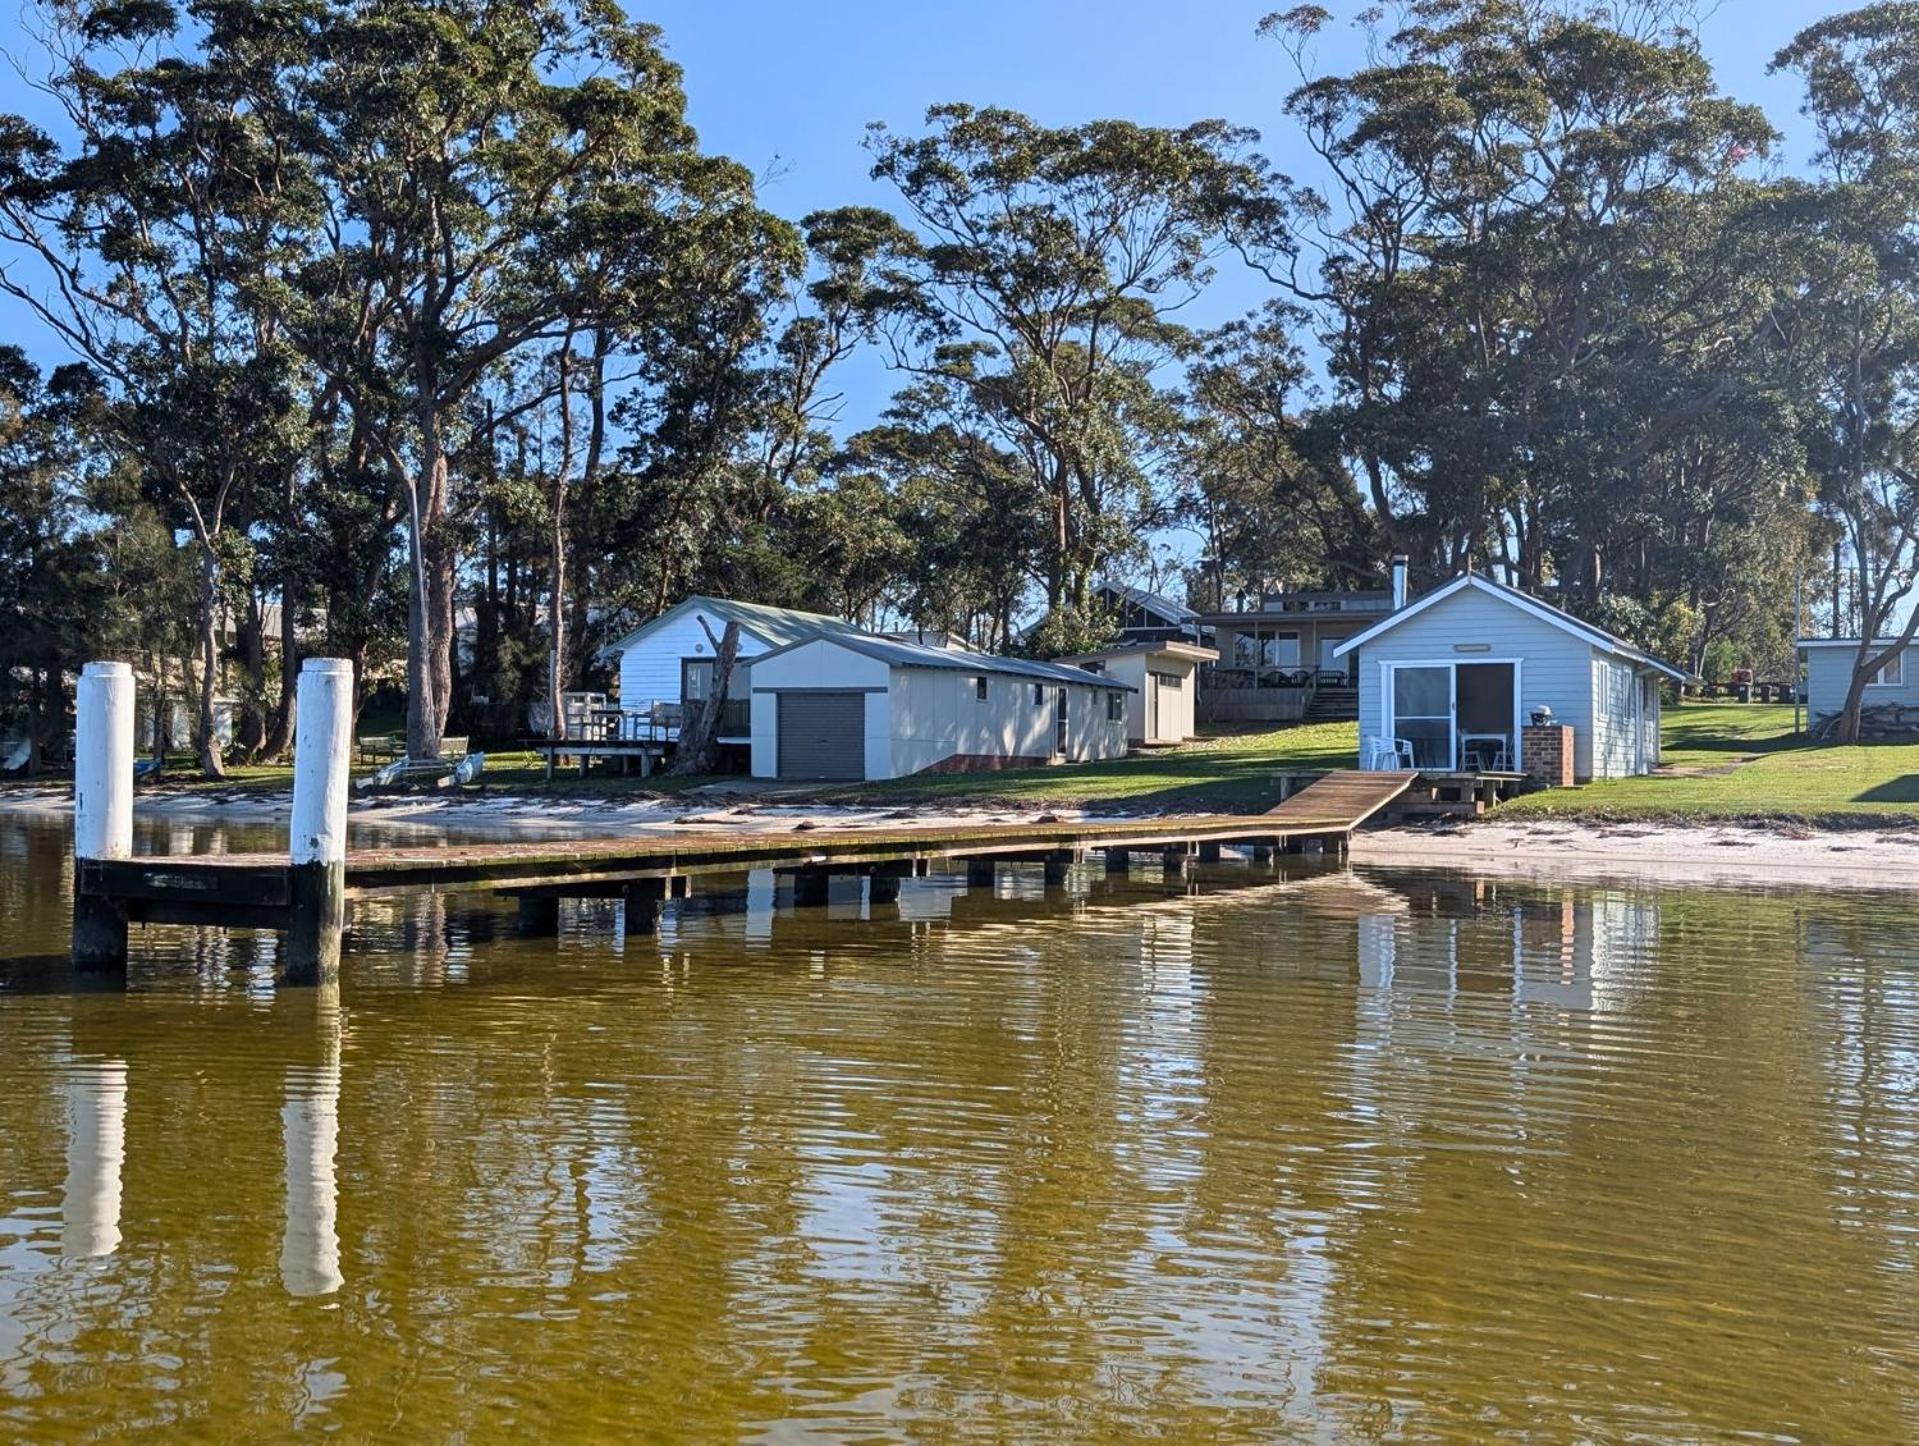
(1891,675)
(1115,707)
(979,689)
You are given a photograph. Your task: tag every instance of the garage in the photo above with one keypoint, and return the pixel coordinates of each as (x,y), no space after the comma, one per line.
(822,735)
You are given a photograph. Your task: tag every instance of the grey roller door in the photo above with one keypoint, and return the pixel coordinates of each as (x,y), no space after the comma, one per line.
(823,735)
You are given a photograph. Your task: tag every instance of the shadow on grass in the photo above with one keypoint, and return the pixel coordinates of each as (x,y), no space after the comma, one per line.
(1903,789)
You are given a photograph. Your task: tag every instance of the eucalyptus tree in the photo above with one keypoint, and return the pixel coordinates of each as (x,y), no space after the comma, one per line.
(150,227)
(1255,481)
(1858,317)
(497,183)
(1522,212)
(1049,271)
(53,588)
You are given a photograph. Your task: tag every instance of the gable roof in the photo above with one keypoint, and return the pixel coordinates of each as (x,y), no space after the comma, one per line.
(962,660)
(776,627)
(1525,602)
(1152,602)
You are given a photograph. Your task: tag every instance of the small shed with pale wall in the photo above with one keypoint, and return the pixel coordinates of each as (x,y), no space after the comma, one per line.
(858,707)
(1165,679)
(1470,662)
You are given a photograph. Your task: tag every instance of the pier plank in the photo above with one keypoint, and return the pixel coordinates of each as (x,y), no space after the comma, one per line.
(256,886)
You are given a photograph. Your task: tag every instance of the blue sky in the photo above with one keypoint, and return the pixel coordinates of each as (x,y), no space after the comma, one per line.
(788,89)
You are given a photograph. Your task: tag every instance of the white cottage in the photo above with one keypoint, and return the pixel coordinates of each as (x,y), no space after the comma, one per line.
(847,705)
(1829,662)
(668,662)
(1164,677)
(1449,681)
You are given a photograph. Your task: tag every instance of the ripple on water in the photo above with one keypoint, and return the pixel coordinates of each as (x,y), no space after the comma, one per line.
(1339,1154)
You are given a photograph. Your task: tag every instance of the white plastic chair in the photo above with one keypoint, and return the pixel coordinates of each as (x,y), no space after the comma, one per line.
(1389,755)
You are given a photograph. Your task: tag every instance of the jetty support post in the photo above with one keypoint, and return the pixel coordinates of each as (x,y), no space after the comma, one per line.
(322,756)
(811,888)
(1173,860)
(645,902)
(102,807)
(883,882)
(1209,853)
(1054,866)
(1118,861)
(980,873)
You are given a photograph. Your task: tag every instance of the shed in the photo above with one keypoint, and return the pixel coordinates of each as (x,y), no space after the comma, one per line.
(1453,676)
(668,661)
(850,706)
(1164,677)
(1829,675)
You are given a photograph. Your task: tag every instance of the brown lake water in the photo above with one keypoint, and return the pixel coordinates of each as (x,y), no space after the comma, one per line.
(1285,1152)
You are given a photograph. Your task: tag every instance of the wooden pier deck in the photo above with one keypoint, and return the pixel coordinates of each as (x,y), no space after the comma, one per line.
(257,890)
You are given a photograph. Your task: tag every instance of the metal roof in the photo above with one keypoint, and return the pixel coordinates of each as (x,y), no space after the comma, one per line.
(1153,602)
(1564,621)
(776,627)
(960,660)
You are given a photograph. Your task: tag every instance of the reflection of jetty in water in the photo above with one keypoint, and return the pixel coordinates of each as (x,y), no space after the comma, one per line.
(96,1154)
(310,1128)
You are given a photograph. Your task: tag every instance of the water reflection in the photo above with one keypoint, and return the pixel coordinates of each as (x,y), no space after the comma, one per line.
(310,1130)
(1266,1152)
(96,1151)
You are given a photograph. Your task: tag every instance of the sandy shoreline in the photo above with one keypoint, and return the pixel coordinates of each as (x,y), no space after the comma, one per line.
(1718,853)
(1713,853)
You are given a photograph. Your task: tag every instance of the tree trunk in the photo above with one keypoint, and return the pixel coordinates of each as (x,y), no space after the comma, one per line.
(698,747)
(206,739)
(280,735)
(251,733)
(429,663)
(162,709)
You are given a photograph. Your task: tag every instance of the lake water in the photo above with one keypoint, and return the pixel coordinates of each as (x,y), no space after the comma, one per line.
(1304,1152)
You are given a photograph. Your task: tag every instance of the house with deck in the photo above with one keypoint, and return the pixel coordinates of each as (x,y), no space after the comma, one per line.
(1455,681)
(844,705)
(667,663)
(1280,662)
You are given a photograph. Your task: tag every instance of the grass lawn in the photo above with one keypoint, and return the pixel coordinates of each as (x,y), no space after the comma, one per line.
(1742,761)
(1722,761)
(1238,773)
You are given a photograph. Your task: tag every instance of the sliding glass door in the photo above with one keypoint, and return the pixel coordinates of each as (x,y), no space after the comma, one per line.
(1422,713)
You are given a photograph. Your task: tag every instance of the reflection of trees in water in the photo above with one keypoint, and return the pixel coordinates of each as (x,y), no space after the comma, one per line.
(1355,1151)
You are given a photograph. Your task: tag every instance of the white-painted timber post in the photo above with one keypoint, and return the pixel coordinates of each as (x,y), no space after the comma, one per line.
(322,755)
(102,806)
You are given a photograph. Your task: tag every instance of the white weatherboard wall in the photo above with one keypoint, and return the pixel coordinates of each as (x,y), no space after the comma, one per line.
(1829,674)
(1175,705)
(650,669)
(917,718)
(820,664)
(1556,667)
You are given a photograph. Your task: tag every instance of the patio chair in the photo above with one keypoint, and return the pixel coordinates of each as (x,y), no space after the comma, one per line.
(1388,755)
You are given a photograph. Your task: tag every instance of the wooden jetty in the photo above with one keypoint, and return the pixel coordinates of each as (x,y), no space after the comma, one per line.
(305,892)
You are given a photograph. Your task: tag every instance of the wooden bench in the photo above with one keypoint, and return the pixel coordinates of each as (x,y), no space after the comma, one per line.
(382,747)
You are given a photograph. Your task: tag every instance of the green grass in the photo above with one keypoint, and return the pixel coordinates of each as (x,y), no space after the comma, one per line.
(1729,761)
(1238,773)
(1722,762)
